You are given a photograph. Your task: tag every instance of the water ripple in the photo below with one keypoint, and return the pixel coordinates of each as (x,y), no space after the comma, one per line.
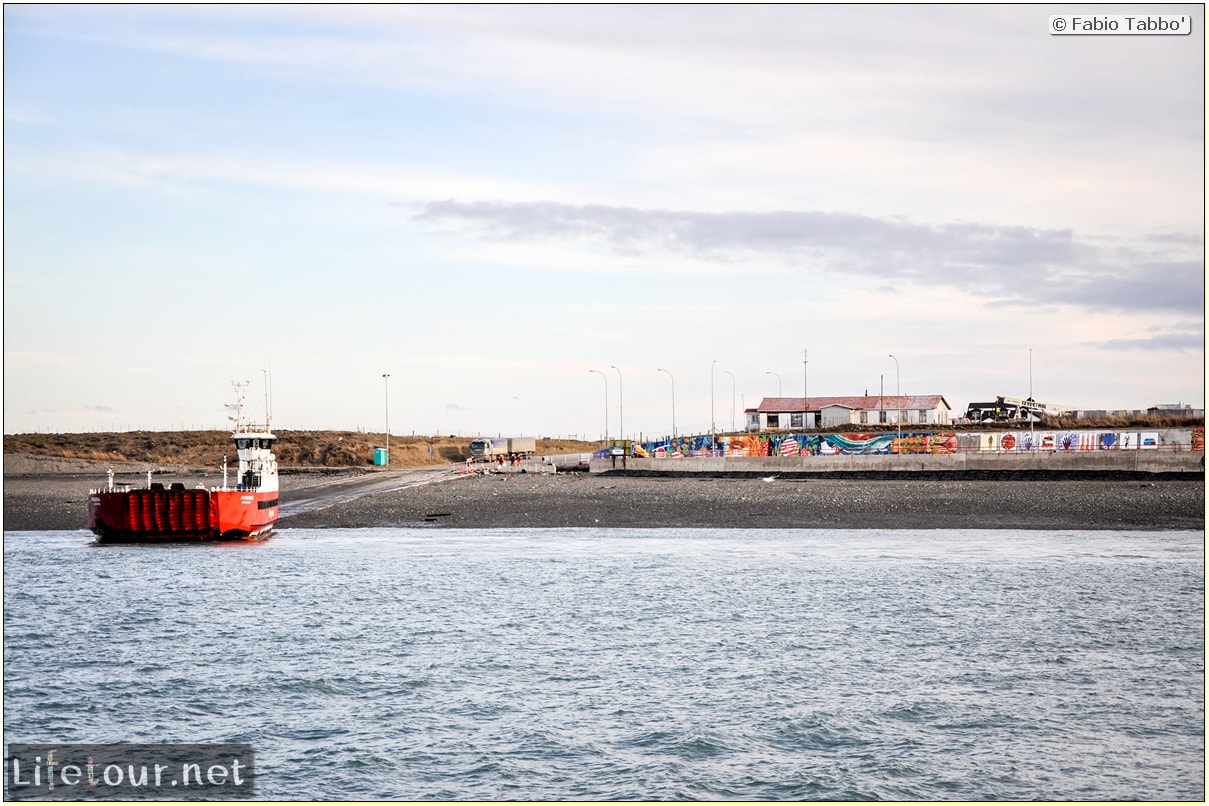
(631,665)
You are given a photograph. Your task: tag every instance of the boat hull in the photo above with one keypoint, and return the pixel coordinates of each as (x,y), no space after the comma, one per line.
(245,515)
(180,515)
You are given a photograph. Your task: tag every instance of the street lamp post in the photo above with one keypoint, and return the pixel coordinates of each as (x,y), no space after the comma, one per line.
(620,406)
(606,390)
(673,378)
(898,391)
(778,377)
(732,399)
(386,384)
(1032,402)
(712,426)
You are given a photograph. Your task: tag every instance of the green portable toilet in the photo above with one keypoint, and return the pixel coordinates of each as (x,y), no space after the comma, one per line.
(380,456)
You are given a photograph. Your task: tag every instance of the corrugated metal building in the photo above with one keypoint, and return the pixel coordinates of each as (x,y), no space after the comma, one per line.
(788,413)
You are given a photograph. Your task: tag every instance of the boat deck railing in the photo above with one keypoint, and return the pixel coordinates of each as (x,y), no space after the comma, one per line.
(113,488)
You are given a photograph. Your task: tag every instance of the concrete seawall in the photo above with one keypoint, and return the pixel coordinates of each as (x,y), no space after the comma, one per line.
(1184,465)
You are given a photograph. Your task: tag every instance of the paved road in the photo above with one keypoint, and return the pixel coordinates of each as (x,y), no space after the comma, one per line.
(330,493)
(327,493)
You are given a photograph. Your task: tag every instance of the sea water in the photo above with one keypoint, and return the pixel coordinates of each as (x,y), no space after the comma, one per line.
(593,664)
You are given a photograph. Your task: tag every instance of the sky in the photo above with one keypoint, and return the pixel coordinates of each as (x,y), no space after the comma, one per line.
(529,217)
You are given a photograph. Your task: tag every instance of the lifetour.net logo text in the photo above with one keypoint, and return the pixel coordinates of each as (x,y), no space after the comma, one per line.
(129,772)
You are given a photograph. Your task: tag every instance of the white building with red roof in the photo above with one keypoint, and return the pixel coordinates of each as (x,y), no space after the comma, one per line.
(793,413)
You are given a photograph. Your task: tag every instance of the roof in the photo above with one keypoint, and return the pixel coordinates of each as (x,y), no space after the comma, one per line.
(778,405)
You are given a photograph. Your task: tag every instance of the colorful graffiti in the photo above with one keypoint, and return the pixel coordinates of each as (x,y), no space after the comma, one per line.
(1030,441)
(798,445)
(926,443)
(1074,441)
(911,444)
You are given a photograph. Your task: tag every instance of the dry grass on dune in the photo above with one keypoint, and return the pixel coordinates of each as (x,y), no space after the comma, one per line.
(293,449)
(356,449)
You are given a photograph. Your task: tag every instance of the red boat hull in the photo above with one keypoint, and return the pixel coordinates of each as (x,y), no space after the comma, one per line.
(177,514)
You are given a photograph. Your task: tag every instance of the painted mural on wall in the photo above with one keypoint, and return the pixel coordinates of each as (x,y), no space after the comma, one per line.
(800,445)
(858,444)
(1072,441)
(1014,441)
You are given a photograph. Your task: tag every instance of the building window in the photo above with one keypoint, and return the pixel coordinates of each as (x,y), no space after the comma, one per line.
(774,421)
(795,421)
(864,418)
(923,415)
(884,416)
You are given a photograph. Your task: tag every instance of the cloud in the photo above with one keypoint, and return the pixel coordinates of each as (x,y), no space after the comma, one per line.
(1011,264)
(1192,339)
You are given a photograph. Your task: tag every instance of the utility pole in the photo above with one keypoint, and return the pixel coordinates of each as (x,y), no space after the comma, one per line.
(732,399)
(386,383)
(898,392)
(881,394)
(673,379)
(805,387)
(606,403)
(620,405)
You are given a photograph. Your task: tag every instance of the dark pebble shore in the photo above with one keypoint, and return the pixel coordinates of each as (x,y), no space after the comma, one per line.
(58,502)
(578,499)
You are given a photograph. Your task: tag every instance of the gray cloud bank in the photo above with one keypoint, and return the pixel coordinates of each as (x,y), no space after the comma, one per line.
(1023,265)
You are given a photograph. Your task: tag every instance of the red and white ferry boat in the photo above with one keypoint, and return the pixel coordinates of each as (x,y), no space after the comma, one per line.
(246,511)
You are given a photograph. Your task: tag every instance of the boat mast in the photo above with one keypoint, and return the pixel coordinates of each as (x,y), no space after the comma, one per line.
(268,398)
(239,396)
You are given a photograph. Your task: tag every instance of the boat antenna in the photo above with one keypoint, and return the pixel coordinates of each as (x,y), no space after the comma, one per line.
(268,405)
(239,395)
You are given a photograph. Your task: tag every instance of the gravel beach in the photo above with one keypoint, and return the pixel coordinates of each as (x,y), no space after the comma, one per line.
(577,499)
(55,499)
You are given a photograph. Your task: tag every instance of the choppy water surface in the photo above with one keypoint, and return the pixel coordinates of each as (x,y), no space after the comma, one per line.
(647,664)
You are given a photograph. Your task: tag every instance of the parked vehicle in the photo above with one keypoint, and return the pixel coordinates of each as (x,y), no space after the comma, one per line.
(487,448)
(1009,409)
